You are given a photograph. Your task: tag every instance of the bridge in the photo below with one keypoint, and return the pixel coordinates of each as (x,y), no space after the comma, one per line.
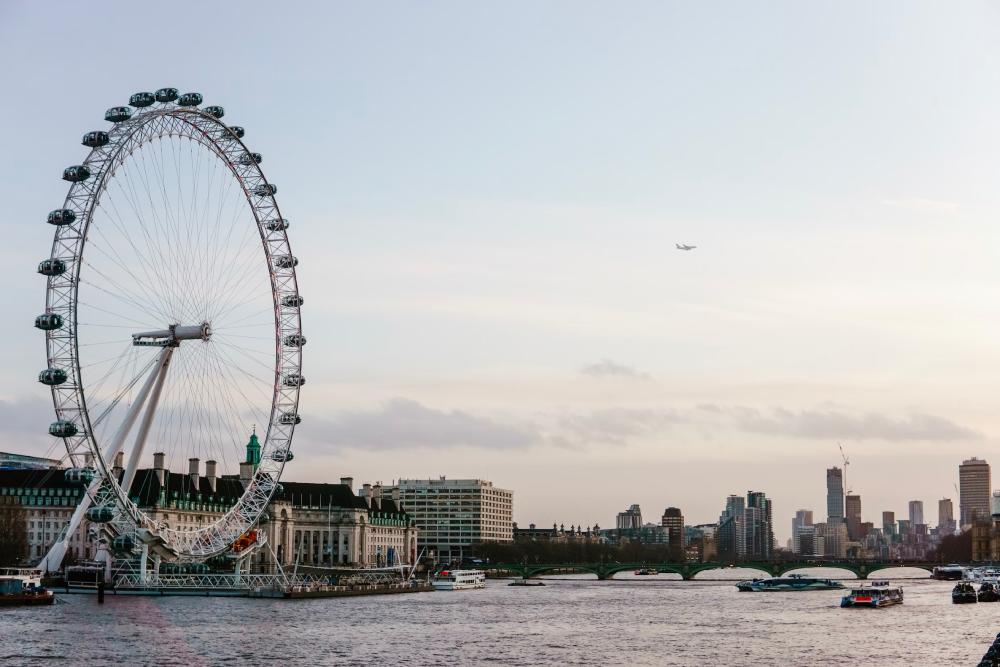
(860,568)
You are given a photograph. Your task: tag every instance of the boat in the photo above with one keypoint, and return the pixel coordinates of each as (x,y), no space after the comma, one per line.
(989,591)
(646,572)
(950,572)
(15,591)
(875,595)
(526,582)
(964,593)
(456,580)
(794,582)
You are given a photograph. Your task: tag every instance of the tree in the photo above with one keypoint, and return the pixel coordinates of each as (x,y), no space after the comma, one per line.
(13,534)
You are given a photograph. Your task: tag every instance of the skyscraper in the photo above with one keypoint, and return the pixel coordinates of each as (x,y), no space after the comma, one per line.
(745,531)
(802,519)
(974,490)
(916,512)
(853,511)
(889,524)
(946,517)
(673,521)
(834,494)
(630,519)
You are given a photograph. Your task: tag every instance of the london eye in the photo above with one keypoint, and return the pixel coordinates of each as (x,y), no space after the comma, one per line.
(172,320)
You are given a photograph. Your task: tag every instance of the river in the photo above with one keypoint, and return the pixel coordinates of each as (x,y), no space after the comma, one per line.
(571,621)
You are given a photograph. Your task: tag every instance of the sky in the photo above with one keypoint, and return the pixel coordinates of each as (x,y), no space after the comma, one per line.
(485,199)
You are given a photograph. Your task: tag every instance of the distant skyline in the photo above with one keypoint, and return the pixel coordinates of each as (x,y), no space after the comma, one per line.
(485,200)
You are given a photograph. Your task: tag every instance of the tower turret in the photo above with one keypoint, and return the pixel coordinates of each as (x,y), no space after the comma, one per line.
(253,449)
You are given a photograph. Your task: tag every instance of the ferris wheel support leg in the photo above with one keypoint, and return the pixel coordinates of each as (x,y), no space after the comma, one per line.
(143,560)
(147,419)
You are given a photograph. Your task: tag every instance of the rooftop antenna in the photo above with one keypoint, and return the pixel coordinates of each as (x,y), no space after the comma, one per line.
(847,462)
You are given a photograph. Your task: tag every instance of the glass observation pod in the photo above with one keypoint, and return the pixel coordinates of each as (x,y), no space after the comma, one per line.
(52,376)
(282,456)
(171,568)
(237,130)
(292,301)
(48,321)
(294,380)
(61,216)
(294,340)
(264,518)
(100,514)
(266,190)
(285,261)
(79,475)
(96,139)
(52,267)
(216,111)
(276,225)
(289,418)
(140,100)
(251,158)
(196,568)
(76,173)
(189,99)
(117,114)
(63,429)
(166,95)
(123,543)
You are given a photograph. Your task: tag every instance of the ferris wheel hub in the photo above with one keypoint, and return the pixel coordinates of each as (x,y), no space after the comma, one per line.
(172,335)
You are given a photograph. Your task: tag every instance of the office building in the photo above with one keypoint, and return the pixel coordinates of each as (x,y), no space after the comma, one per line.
(889,525)
(916,512)
(974,491)
(852,506)
(630,519)
(10,461)
(745,528)
(946,517)
(454,514)
(803,520)
(834,494)
(673,521)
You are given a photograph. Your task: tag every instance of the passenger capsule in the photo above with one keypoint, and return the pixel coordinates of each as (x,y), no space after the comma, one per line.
(123,544)
(294,340)
(294,380)
(251,158)
(96,139)
(100,514)
(63,429)
(285,261)
(237,130)
(276,225)
(48,321)
(79,475)
(52,376)
(166,95)
(264,518)
(292,301)
(61,216)
(282,455)
(290,418)
(117,114)
(52,267)
(217,112)
(140,100)
(196,568)
(266,190)
(189,99)
(76,173)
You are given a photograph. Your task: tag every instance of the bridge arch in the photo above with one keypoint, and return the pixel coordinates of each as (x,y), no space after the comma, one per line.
(794,569)
(928,567)
(611,571)
(738,570)
(538,570)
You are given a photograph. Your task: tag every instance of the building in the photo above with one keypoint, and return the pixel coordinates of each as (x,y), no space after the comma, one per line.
(889,525)
(834,537)
(946,517)
(10,461)
(834,494)
(47,502)
(452,515)
(852,505)
(916,512)
(745,529)
(673,521)
(558,534)
(630,519)
(974,491)
(803,519)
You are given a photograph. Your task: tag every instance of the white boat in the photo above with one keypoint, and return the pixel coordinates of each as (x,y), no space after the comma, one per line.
(878,594)
(456,580)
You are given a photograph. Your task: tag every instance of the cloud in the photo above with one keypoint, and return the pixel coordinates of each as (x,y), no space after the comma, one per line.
(402,423)
(607,368)
(616,426)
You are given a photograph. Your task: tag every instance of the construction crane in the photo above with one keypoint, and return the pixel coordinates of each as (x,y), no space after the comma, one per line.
(847,462)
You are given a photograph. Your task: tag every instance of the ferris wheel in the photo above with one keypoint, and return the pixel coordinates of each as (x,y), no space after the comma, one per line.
(172,322)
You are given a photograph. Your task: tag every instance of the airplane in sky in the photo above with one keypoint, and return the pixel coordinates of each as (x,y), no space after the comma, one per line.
(681,246)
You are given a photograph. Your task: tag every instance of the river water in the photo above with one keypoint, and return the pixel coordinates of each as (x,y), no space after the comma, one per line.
(571,621)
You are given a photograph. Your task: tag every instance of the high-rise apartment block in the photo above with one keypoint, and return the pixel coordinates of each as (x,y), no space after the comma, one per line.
(803,518)
(834,494)
(916,512)
(454,514)
(974,490)
(673,521)
(630,519)
(745,528)
(889,524)
(946,517)
(853,512)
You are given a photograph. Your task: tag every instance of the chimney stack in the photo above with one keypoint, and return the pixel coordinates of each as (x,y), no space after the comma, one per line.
(117,470)
(348,482)
(193,472)
(246,473)
(366,493)
(159,467)
(210,473)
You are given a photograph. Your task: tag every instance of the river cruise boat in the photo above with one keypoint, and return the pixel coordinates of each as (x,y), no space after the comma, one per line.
(877,594)
(989,591)
(951,572)
(456,580)
(795,582)
(16,591)
(964,592)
